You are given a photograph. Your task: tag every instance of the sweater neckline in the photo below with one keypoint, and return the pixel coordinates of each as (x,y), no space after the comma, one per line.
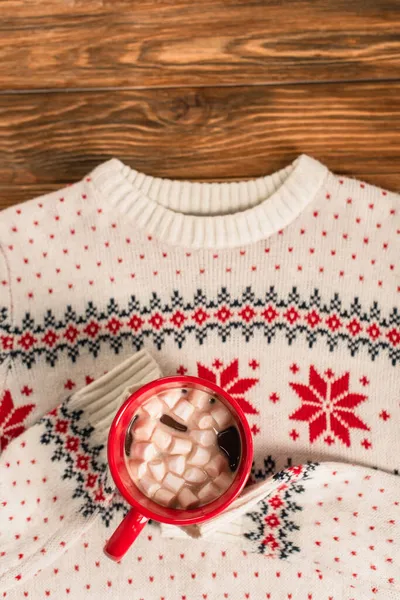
(210,215)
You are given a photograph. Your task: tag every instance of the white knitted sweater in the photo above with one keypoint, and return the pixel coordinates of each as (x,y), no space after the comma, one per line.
(283,290)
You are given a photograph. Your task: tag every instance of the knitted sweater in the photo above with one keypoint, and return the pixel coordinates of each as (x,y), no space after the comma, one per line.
(283,290)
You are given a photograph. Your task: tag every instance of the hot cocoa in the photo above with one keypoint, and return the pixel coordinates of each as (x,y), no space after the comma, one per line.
(183,448)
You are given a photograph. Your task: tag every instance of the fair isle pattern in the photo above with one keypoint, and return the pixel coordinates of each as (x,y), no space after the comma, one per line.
(271,316)
(70,442)
(274,518)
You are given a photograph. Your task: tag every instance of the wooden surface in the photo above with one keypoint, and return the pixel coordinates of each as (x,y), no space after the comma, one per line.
(205,90)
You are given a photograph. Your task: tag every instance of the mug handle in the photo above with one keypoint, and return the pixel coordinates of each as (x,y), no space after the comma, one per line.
(125,534)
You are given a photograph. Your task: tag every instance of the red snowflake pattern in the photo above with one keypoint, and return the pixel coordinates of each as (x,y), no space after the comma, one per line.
(328,407)
(228,378)
(11,419)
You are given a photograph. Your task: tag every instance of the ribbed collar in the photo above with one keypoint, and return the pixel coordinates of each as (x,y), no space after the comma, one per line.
(210,215)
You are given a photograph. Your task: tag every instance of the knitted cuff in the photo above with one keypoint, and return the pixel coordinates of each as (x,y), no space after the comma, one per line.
(229,523)
(101,399)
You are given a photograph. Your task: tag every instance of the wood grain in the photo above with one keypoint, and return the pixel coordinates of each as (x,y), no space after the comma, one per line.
(94,43)
(211,133)
(210,90)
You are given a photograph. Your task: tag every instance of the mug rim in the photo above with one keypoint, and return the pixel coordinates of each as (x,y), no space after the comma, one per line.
(223,501)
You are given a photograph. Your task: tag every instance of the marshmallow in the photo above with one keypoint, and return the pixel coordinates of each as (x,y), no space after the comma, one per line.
(171,397)
(205,437)
(184,410)
(161,438)
(216,465)
(186,498)
(180,446)
(199,399)
(205,422)
(143,450)
(143,430)
(137,469)
(157,469)
(173,482)
(208,493)
(221,415)
(164,497)
(176,464)
(149,486)
(154,407)
(223,481)
(194,475)
(199,457)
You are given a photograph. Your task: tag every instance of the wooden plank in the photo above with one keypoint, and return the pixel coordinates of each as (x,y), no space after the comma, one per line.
(11,195)
(199,133)
(94,43)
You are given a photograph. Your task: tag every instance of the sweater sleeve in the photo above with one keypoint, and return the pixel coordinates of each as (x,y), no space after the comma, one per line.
(54,480)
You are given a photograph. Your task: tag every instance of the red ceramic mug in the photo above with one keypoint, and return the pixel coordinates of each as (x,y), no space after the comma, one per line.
(143,508)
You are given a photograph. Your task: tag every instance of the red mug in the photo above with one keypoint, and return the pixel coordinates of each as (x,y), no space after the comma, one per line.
(143,508)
